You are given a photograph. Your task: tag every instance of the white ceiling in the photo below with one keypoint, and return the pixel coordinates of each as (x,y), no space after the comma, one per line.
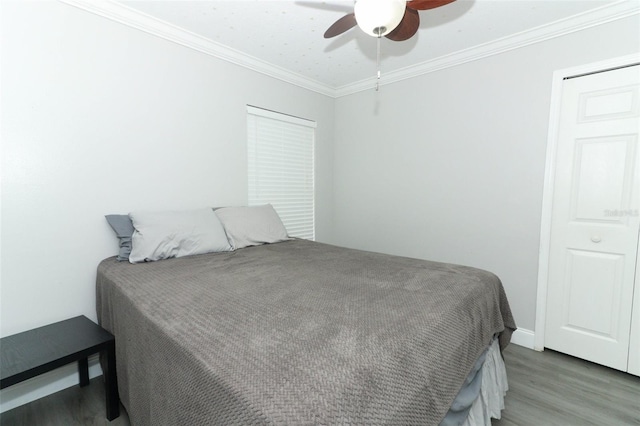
(289,34)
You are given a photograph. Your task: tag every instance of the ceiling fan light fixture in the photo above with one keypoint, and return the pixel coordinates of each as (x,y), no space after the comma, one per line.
(379,17)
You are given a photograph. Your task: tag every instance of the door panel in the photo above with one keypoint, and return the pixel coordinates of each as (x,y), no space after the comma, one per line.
(593,308)
(594,232)
(616,103)
(599,177)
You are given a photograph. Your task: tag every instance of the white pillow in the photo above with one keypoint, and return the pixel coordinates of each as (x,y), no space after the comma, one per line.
(161,235)
(252,226)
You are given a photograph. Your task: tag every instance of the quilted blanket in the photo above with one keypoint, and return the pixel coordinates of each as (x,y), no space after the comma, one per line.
(296,333)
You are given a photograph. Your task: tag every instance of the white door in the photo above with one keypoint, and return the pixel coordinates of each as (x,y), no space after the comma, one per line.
(595,219)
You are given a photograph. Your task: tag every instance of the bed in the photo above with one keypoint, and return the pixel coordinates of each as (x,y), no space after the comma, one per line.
(297,333)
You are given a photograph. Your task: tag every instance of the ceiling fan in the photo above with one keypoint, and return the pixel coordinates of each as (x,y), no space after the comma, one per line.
(397,20)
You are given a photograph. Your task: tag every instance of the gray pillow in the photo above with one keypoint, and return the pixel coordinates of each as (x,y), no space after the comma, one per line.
(165,234)
(252,226)
(121,224)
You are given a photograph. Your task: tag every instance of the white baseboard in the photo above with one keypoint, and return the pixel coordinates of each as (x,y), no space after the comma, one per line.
(45,384)
(523,337)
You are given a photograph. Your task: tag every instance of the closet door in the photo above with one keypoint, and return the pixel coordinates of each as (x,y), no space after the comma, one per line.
(595,221)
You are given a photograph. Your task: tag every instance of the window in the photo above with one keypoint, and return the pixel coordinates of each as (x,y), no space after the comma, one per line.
(281,167)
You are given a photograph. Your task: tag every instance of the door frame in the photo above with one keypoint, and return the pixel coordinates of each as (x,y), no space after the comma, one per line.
(549,179)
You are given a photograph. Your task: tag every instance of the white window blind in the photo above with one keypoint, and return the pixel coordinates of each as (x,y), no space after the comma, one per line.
(281,167)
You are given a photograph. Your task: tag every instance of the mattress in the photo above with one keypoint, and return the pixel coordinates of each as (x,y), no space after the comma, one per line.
(299,333)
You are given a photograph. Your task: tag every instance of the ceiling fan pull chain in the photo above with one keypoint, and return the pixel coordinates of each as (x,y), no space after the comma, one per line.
(378,64)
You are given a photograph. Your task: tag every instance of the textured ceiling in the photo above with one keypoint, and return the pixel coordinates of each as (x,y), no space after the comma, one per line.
(289,34)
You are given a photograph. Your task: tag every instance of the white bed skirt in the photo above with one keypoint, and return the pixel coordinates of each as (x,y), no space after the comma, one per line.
(490,402)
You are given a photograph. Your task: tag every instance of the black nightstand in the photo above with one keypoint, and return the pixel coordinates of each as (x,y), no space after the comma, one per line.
(26,355)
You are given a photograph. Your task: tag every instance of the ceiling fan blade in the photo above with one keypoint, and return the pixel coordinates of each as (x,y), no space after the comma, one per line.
(341,25)
(427,4)
(407,27)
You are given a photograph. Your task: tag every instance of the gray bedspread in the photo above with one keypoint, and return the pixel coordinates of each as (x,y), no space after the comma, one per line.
(296,333)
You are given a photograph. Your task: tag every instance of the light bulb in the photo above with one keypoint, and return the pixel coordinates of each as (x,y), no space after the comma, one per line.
(379,17)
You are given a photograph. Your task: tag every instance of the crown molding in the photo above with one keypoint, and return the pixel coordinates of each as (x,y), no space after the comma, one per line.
(135,19)
(598,16)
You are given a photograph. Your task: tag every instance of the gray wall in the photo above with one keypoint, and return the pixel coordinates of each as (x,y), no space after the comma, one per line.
(101,118)
(449,166)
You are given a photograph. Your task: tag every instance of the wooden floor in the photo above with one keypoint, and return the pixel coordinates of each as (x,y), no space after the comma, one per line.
(74,406)
(546,389)
(549,388)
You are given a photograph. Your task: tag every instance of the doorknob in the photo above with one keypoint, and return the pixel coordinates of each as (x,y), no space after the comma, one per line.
(596,239)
